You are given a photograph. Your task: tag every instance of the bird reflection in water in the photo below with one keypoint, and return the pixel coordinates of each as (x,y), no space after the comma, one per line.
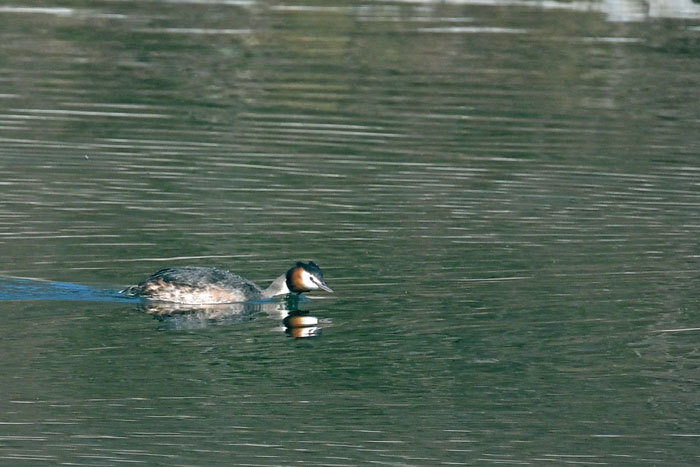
(296,322)
(301,324)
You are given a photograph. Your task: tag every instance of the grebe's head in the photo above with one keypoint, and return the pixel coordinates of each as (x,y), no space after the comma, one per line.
(304,277)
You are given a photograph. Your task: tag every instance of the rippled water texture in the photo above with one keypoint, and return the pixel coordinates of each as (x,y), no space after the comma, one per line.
(503,195)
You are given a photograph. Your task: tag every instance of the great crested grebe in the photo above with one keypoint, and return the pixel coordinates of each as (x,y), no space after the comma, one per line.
(201,285)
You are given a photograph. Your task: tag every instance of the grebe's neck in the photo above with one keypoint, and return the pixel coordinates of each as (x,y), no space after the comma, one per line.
(278,287)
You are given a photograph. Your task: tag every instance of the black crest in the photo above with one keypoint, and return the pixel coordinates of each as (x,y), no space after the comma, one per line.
(311,268)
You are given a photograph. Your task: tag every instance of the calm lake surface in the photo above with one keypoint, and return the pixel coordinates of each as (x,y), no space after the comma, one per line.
(505,197)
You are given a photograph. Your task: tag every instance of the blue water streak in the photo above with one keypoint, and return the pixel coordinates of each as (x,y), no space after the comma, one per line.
(28,289)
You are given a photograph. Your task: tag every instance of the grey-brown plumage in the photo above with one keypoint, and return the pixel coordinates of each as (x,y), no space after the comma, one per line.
(205,285)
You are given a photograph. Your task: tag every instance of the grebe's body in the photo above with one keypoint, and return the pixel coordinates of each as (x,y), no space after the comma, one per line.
(201,285)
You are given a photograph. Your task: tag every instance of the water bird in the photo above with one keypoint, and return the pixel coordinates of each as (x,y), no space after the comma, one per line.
(197,285)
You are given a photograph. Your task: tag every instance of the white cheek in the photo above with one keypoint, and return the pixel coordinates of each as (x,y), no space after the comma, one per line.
(308,283)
